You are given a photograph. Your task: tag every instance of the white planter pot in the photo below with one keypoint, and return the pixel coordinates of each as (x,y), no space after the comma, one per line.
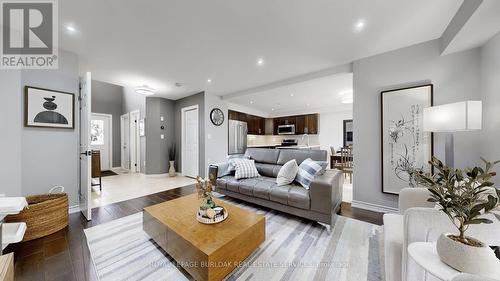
(171,170)
(469,259)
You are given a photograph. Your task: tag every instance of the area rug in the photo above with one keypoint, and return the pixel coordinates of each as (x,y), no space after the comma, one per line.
(294,249)
(108,173)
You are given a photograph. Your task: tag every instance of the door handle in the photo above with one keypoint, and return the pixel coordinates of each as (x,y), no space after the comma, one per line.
(87,153)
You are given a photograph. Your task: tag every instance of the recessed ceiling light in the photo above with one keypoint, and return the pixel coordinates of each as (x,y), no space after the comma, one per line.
(359,25)
(308,104)
(209,80)
(260,61)
(145,90)
(272,109)
(291,95)
(251,102)
(70,28)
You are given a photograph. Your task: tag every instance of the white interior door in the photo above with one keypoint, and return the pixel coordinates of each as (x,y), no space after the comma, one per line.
(125,140)
(135,144)
(101,138)
(190,146)
(85,149)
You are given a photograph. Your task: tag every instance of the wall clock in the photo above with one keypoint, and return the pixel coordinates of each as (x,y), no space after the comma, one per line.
(217,116)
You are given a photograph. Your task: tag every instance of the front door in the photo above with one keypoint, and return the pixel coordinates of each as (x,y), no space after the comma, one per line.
(84,190)
(101,136)
(190,148)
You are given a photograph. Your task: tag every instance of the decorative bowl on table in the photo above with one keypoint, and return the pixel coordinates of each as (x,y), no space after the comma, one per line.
(211,215)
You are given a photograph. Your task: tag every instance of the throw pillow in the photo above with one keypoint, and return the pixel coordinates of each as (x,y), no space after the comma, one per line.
(323,165)
(287,173)
(307,170)
(231,159)
(245,169)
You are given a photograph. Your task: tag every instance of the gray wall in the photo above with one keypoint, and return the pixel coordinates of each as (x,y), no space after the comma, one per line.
(490,88)
(133,101)
(197,99)
(108,98)
(157,148)
(11,128)
(455,78)
(49,157)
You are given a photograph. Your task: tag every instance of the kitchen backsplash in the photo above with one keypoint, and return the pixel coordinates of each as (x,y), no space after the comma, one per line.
(255,140)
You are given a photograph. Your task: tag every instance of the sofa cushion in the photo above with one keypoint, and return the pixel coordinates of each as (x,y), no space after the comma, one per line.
(280,194)
(263,188)
(268,156)
(245,169)
(287,173)
(232,184)
(268,170)
(298,197)
(247,185)
(300,155)
(222,182)
(393,245)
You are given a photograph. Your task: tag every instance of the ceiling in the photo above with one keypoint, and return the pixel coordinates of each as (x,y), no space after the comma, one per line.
(317,95)
(160,42)
(483,24)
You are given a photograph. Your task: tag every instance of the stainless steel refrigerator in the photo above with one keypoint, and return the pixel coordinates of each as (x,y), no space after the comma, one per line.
(237,137)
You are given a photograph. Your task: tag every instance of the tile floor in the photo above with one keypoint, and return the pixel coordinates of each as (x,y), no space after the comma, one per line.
(126,186)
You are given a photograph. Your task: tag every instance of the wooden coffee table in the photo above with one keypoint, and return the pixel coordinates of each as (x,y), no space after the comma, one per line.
(207,252)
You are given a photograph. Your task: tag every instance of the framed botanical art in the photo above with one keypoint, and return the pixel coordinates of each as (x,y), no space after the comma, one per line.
(48,108)
(405,146)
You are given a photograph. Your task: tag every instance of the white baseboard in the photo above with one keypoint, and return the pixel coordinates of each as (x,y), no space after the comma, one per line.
(74,209)
(373,207)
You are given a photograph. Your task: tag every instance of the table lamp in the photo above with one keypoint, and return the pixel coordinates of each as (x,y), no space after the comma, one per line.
(452,117)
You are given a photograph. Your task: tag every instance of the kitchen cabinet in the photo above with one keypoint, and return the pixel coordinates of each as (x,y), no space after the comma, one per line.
(256,125)
(304,124)
(311,124)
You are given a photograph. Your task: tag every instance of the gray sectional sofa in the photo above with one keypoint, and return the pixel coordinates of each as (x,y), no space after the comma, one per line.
(320,203)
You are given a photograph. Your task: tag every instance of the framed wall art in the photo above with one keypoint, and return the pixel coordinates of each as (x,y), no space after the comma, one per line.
(48,108)
(405,146)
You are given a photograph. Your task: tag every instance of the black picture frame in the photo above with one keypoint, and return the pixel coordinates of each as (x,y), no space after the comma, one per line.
(345,133)
(28,90)
(392,91)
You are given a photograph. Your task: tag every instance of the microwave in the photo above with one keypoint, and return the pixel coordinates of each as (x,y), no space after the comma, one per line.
(286,129)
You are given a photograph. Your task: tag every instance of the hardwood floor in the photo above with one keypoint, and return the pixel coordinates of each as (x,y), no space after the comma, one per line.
(64,255)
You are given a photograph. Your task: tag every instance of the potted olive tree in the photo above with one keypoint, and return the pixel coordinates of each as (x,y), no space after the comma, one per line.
(467,197)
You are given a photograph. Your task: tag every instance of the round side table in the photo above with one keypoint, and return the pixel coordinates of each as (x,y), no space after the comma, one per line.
(425,255)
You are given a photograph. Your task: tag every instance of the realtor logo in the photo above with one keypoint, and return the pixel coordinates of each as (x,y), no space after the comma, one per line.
(29,34)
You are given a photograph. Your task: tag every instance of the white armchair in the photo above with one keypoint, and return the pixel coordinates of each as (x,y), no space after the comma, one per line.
(419,221)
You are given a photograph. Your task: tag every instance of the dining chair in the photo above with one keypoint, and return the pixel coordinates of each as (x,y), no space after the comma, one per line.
(346,162)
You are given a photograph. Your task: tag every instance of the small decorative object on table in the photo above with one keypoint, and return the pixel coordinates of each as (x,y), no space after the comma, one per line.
(171,158)
(209,212)
(465,196)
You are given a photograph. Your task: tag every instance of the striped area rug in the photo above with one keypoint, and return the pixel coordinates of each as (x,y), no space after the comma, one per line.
(294,249)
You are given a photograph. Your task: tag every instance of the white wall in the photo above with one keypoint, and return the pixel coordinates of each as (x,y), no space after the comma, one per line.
(331,129)
(455,78)
(11,128)
(35,159)
(215,136)
(490,88)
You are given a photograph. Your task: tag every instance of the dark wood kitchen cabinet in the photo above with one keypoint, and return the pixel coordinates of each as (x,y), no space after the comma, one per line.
(256,125)
(306,124)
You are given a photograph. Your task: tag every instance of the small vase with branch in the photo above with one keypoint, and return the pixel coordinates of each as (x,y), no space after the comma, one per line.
(171,158)
(467,197)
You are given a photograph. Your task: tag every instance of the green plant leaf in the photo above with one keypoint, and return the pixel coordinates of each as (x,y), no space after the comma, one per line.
(479,221)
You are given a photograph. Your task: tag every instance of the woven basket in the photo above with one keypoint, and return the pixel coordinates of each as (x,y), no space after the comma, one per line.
(46,214)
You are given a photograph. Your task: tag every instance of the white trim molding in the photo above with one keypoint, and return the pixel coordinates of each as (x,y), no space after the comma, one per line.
(74,209)
(373,207)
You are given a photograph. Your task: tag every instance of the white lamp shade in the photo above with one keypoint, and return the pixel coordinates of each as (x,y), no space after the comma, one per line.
(453,117)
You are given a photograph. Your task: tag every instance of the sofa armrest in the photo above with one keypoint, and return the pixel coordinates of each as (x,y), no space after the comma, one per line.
(326,191)
(410,197)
